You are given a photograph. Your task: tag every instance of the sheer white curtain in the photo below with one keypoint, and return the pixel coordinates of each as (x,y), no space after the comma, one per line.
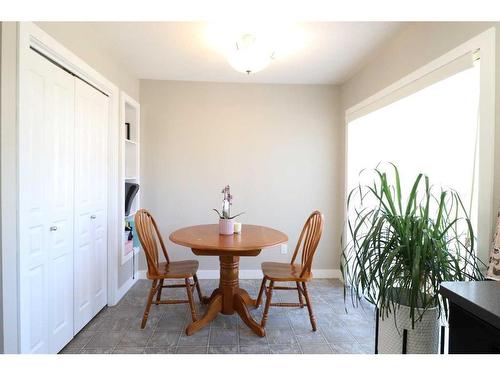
(432,131)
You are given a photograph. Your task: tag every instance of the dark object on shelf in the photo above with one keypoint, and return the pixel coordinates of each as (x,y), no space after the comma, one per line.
(128,228)
(131,190)
(474,316)
(127,125)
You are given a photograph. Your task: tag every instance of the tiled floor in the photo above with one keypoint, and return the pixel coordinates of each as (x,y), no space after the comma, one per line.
(117,329)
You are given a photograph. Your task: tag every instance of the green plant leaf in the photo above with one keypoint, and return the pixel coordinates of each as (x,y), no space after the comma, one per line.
(218,213)
(232,217)
(400,253)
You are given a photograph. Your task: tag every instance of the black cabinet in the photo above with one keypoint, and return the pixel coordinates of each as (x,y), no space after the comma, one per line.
(474,316)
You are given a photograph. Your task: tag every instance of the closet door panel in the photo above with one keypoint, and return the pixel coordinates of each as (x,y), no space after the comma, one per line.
(45,206)
(61,201)
(100,192)
(100,262)
(33,209)
(83,211)
(90,203)
(83,275)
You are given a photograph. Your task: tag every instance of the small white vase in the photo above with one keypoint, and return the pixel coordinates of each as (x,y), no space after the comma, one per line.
(226,226)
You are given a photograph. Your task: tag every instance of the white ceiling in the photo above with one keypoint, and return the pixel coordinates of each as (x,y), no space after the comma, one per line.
(331,51)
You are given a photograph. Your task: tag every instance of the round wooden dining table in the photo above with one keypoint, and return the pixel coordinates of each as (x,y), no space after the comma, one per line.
(228,298)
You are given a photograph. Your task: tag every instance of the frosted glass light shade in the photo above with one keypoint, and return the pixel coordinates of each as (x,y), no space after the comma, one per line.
(250,54)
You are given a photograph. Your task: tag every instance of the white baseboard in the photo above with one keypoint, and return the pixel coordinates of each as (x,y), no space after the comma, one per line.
(128,284)
(257,274)
(327,274)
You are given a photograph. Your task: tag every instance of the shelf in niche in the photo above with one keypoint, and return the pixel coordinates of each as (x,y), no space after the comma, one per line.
(130,178)
(131,142)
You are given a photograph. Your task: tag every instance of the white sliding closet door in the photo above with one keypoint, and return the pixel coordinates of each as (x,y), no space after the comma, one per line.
(46,160)
(91,112)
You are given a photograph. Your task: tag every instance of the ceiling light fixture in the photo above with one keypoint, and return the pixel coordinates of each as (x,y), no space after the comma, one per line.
(250,47)
(251,54)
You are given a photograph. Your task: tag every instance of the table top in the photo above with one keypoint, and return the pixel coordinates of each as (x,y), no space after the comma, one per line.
(481,298)
(207,237)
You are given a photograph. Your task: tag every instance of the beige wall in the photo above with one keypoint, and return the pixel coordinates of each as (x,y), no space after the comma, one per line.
(276,145)
(8,152)
(417,45)
(87,46)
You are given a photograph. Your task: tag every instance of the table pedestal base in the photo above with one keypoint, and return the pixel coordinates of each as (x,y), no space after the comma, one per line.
(228,298)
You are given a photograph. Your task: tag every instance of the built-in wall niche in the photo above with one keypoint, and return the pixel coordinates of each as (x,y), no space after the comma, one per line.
(131,139)
(131,124)
(130,118)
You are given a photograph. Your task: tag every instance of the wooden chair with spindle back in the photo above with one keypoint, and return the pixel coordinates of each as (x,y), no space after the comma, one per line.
(291,272)
(159,271)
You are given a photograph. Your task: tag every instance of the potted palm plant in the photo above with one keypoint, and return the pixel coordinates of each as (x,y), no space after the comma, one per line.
(398,251)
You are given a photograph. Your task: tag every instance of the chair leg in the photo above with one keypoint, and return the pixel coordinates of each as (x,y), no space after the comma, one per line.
(191,300)
(301,302)
(268,304)
(262,287)
(198,289)
(309,306)
(148,304)
(158,295)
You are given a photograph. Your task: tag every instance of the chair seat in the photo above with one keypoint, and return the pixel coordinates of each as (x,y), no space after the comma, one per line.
(176,270)
(284,272)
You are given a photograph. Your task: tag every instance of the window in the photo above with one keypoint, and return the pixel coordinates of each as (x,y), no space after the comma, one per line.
(429,126)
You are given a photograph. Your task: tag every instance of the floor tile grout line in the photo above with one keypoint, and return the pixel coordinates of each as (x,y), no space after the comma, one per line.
(154,331)
(294,334)
(267,337)
(209,336)
(328,342)
(121,338)
(208,341)
(237,333)
(84,345)
(324,338)
(186,316)
(321,331)
(112,350)
(326,300)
